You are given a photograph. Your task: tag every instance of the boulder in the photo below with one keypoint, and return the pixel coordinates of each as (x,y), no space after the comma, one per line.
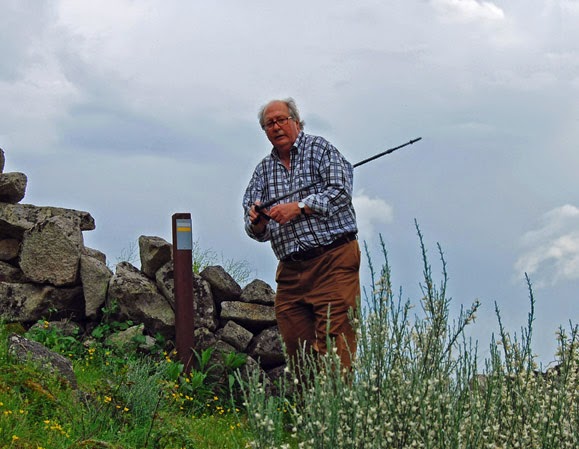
(9,249)
(205,314)
(26,350)
(258,292)
(205,311)
(203,338)
(95,277)
(223,286)
(95,254)
(267,348)
(12,187)
(278,375)
(28,303)
(253,370)
(51,251)
(165,283)
(252,316)
(10,273)
(15,219)
(236,335)
(130,338)
(139,300)
(155,252)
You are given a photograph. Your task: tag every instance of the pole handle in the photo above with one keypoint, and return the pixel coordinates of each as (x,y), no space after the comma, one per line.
(261,214)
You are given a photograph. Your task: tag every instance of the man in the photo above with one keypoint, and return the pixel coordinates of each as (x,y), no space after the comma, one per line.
(312,233)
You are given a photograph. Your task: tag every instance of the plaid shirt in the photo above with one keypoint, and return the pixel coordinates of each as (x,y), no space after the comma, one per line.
(313,159)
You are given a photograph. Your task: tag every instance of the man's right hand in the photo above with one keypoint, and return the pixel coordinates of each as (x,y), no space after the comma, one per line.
(258,221)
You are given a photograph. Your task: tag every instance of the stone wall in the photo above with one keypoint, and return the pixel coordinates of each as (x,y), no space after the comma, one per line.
(46,272)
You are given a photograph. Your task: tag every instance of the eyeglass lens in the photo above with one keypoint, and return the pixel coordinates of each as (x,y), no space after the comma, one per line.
(279,121)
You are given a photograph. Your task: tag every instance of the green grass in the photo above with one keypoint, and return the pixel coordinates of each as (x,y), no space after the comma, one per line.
(125,400)
(417,382)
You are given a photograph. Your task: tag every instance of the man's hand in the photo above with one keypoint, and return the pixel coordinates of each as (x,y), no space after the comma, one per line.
(258,220)
(286,212)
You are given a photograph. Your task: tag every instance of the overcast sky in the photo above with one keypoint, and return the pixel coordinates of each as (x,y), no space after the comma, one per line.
(136,110)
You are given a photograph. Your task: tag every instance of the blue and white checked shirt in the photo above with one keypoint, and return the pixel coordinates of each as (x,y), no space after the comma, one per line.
(313,159)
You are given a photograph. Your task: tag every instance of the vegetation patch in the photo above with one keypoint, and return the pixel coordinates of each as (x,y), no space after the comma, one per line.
(417,382)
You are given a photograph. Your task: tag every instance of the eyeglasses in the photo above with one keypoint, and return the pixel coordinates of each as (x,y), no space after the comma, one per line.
(279,121)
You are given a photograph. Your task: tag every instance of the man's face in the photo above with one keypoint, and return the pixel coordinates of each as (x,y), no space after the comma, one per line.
(282,137)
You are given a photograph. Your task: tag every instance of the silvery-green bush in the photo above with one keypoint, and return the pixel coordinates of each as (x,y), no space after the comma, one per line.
(415,383)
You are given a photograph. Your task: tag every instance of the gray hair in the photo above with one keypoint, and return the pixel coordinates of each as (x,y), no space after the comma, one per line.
(292,107)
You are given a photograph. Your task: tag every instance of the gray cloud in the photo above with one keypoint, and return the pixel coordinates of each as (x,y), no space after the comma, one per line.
(550,253)
(136,110)
(371,214)
(23,28)
(465,11)
(112,129)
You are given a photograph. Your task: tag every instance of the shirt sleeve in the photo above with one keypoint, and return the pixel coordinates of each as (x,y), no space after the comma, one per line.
(253,193)
(336,174)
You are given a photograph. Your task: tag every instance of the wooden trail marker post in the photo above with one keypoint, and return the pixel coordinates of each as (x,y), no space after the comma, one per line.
(183,279)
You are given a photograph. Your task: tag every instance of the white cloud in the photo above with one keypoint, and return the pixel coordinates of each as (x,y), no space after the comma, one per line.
(551,252)
(462,11)
(371,212)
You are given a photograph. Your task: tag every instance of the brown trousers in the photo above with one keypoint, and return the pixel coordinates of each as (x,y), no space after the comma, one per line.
(305,291)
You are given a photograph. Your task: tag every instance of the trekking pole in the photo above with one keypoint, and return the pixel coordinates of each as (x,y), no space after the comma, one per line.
(259,207)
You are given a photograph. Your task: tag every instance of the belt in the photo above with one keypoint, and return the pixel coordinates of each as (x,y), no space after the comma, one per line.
(300,256)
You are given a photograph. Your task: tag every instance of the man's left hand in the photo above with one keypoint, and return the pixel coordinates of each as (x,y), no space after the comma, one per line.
(284,213)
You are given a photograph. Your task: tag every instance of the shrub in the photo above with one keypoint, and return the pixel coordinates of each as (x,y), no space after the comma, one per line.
(415,383)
